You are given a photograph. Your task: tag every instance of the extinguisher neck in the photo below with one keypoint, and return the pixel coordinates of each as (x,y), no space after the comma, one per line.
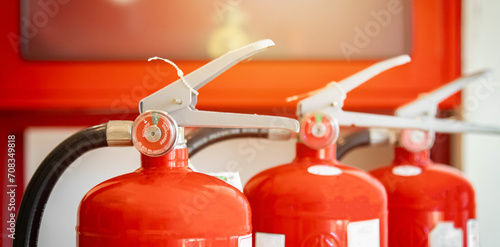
(174,159)
(326,154)
(403,156)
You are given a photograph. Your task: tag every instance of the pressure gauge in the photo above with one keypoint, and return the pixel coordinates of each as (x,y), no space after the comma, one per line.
(416,140)
(318,130)
(154,133)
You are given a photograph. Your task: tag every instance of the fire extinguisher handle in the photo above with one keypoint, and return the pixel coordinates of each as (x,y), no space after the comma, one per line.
(182,93)
(209,71)
(456,126)
(368,120)
(194,118)
(426,104)
(334,94)
(361,77)
(179,98)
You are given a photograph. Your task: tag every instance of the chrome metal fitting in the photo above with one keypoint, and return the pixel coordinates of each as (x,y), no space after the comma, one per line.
(119,133)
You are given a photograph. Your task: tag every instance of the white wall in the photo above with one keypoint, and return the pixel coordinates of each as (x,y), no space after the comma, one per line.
(481,104)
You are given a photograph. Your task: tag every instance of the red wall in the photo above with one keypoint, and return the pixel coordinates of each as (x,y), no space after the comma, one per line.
(258,86)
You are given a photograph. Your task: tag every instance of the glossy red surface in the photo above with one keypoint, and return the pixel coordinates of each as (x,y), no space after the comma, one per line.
(417,203)
(163,203)
(117,86)
(311,209)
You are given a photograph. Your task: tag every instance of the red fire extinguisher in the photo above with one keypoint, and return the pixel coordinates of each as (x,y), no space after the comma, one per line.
(430,205)
(163,203)
(315,200)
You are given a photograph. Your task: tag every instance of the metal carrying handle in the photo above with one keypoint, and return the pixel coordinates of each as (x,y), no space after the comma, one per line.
(356,119)
(179,101)
(354,81)
(330,100)
(424,109)
(335,93)
(426,105)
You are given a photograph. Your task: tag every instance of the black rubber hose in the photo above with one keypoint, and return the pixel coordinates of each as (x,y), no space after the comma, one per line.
(352,141)
(203,137)
(43,181)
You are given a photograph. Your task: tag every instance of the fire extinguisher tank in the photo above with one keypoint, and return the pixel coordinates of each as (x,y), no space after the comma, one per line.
(316,201)
(164,203)
(429,204)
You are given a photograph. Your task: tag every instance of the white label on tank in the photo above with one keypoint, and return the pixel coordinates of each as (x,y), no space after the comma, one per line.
(245,241)
(324,170)
(363,233)
(472,233)
(406,170)
(445,234)
(269,239)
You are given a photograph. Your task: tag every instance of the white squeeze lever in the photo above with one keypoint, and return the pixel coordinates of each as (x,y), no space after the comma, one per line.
(425,108)
(179,100)
(164,113)
(324,109)
(334,94)
(321,113)
(427,103)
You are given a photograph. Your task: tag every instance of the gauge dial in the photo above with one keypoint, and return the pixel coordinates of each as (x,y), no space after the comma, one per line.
(318,130)
(416,140)
(154,133)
